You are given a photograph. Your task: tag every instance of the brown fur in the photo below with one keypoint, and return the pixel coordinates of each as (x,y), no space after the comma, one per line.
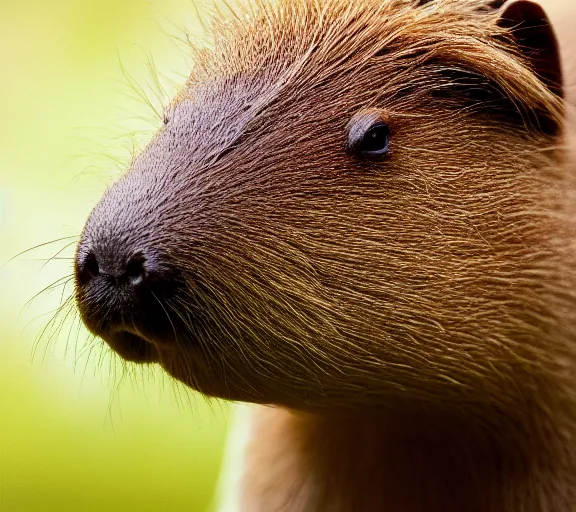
(417,312)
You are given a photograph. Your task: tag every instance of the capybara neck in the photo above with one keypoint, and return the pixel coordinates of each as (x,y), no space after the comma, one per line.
(399,462)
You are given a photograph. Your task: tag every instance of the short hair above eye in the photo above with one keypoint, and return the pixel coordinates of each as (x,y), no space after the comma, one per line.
(368,135)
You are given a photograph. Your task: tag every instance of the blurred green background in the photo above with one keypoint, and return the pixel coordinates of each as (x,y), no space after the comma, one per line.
(78,431)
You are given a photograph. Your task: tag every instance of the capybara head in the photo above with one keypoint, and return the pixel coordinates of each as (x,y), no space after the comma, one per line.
(349,204)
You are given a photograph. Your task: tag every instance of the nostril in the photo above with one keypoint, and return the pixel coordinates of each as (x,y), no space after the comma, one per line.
(88,267)
(136,270)
(139,272)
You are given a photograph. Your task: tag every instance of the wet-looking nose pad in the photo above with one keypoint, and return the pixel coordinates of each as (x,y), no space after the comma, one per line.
(136,271)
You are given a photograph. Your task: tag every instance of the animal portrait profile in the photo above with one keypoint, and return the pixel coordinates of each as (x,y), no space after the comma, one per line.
(358,216)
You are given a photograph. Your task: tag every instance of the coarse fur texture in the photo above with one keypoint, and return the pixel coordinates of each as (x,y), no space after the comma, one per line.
(409,321)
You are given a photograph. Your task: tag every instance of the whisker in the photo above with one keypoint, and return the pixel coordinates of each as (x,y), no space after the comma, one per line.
(89,346)
(75,319)
(167,315)
(87,341)
(37,317)
(28,260)
(138,89)
(189,327)
(156,87)
(88,349)
(64,291)
(58,329)
(63,281)
(58,254)
(68,306)
(38,247)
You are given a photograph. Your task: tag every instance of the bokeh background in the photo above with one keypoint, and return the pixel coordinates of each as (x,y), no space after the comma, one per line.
(78,431)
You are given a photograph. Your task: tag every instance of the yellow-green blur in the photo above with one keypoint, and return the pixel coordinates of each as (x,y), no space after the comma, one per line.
(78,431)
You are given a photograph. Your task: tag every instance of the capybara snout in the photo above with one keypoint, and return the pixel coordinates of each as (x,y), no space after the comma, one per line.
(349,204)
(122,276)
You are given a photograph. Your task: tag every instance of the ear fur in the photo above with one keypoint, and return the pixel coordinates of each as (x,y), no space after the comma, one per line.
(525,84)
(534,35)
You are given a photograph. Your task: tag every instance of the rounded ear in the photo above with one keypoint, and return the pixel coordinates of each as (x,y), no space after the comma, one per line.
(533,33)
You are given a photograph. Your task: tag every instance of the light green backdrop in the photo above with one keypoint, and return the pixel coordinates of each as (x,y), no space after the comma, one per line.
(77,432)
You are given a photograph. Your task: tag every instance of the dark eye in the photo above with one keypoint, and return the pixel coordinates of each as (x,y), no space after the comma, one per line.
(376,140)
(369,135)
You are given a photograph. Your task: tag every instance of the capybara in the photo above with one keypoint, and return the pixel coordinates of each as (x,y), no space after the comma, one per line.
(359,215)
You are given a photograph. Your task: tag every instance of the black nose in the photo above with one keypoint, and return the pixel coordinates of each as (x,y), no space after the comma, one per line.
(124,293)
(137,271)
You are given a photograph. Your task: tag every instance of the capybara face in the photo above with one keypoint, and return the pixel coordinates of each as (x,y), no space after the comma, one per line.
(348,204)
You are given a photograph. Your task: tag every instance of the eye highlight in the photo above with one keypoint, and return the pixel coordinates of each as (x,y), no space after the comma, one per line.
(369,135)
(376,140)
